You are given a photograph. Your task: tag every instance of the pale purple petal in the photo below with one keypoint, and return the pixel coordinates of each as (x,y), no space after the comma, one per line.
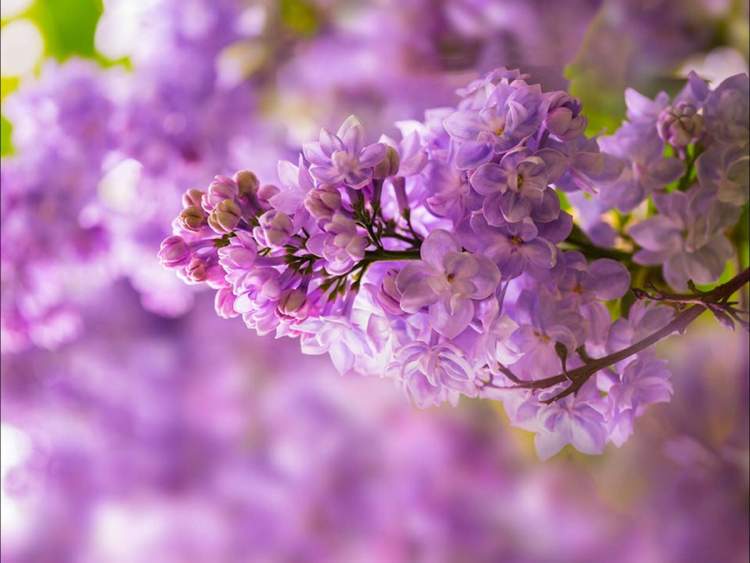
(607,279)
(471,154)
(437,245)
(489,178)
(465,125)
(451,323)
(372,155)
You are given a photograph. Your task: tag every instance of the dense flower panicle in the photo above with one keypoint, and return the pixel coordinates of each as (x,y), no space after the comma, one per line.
(445,260)
(691,153)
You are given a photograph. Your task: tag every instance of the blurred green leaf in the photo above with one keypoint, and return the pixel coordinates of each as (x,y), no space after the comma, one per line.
(598,74)
(6,129)
(299,16)
(68,26)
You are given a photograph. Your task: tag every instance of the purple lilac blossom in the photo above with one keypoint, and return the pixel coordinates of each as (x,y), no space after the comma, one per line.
(691,155)
(356,255)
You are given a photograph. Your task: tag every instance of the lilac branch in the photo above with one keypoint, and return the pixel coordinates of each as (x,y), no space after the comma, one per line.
(580,375)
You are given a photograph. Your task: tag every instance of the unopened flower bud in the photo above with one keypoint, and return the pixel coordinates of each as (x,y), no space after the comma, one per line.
(192,198)
(323,202)
(192,218)
(399,187)
(225,217)
(196,270)
(221,188)
(564,119)
(174,252)
(291,301)
(389,165)
(680,125)
(247,182)
(275,228)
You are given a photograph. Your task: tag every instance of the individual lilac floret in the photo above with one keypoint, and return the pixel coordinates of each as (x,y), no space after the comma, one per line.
(680,125)
(343,158)
(603,279)
(512,112)
(647,171)
(724,170)
(586,167)
(342,245)
(686,237)
(564,119)
(512,246)
(726,111)
(512,187)
(432,375)
(448,281)
(644,381)
(577,420)
(544,322)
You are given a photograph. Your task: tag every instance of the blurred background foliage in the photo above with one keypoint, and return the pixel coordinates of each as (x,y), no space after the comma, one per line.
(66,28)
(607,62)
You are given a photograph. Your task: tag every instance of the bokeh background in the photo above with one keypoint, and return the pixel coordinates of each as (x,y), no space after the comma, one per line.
(139,427)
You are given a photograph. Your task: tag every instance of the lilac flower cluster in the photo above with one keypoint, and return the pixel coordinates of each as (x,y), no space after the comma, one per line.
(444,260)
(691,155)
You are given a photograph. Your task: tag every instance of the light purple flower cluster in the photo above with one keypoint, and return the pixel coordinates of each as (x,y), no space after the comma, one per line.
(691,154)
(444,260)
(54,242)
(100,160)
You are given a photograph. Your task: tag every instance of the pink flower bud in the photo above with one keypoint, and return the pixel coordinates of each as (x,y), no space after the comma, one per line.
(389,165)
(247,183)
(192,218)
(291,301)
(196,270)
(265,193)
(225,217)
(388,294)
(275,228)
(174,252)
(192,198)
(680,125)
(323,202)
(221,189)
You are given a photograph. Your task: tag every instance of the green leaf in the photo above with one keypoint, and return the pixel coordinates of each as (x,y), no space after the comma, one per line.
(6,145)
(68,26)
(299,16)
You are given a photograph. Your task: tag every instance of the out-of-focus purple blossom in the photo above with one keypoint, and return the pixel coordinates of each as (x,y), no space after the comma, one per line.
(644,381)
(646,169)
(723,169)
(573,420)
(726,111)
(686,237)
